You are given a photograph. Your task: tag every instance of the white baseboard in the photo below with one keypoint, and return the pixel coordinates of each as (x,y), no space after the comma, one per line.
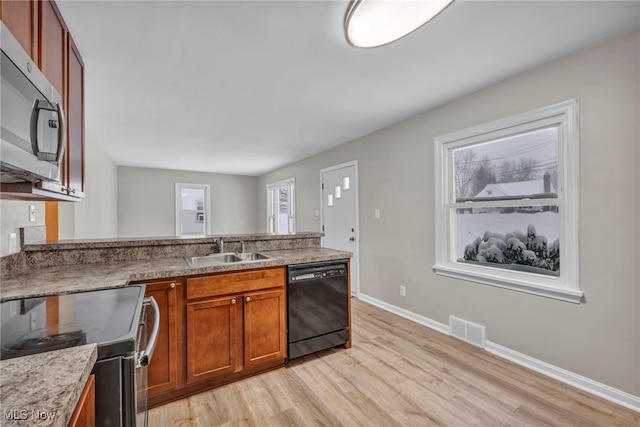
(430,323)
(583,383)
(578,381)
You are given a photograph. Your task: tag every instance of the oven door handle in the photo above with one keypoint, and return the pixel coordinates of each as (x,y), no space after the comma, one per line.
(145,356)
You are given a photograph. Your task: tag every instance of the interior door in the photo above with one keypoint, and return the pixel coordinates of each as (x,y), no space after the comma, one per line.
(340,213)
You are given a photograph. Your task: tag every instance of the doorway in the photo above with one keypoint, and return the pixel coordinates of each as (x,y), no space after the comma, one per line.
(339,214)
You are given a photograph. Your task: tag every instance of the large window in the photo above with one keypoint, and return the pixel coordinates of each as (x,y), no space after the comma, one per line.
(192,210)
(281,212)
(507,203)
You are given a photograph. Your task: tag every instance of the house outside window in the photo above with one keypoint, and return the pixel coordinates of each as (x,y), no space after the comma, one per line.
(281,213)
(507,203)
(192,210)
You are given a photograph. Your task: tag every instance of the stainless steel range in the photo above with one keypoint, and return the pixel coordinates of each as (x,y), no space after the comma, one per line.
(116,320)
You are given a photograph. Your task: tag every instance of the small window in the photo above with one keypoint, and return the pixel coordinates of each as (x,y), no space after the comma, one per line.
(281,213)
(192,210)
(507,203)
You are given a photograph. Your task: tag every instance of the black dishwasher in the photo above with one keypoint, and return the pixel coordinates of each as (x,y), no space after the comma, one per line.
(317,307)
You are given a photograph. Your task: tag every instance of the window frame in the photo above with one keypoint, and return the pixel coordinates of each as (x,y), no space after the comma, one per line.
(273,202)
(178,207)
(566,286)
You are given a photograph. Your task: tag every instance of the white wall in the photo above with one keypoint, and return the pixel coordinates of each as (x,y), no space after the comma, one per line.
(14,215)
(600,338)
(97,215)
(146,201)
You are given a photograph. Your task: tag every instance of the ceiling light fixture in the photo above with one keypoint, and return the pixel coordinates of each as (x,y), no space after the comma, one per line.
(372,23)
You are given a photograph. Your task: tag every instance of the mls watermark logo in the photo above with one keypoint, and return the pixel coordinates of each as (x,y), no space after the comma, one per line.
(31,415)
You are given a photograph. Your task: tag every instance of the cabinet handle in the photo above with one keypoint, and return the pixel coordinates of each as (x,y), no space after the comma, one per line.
(233,300)
(172,285)
(73,191)
(247,299)
(63,189)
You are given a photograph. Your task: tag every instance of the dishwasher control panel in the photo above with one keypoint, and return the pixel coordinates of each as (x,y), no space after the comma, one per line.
(314,272)
(319,274)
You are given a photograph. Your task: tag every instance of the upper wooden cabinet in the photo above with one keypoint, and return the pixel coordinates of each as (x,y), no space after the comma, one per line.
(41,30)
(74,158)
(20,17)
(52,45)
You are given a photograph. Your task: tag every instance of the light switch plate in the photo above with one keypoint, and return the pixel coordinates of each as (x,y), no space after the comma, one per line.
(32,213)
(376,213)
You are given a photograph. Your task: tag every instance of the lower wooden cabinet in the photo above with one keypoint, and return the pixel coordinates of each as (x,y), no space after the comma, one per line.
(164,371)
(264,327)
(85,413)
(216,329)
(235,332)
(212,328)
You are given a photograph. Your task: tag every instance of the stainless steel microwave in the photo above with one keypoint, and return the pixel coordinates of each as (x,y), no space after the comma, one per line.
(32,132)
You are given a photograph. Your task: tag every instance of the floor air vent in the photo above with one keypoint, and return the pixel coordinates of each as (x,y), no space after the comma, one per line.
(467,331)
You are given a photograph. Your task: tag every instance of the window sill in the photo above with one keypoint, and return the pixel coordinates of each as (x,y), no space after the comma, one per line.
(529,287)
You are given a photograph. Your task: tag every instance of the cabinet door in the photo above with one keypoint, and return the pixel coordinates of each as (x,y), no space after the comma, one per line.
(20,19)
(52,38)
(211,338)
(164,369)
(264,327)
(85,413)
(74,156)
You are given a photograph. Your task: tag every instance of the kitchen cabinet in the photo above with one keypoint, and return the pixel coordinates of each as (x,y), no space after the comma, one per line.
(40,25)
(216,329)
(73,170)
(52,45)
(20,18)
(85,413)
(212,328)
(264,327)
(167,361)
(237,322)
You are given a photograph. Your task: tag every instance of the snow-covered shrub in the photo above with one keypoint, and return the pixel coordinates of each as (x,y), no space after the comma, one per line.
(515,247)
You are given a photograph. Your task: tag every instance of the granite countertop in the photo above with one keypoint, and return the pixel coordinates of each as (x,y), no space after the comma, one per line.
(43,389)
(88,277)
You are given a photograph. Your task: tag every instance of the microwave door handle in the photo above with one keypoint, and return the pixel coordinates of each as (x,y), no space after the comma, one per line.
(39,105)
(145,355)
(61,132)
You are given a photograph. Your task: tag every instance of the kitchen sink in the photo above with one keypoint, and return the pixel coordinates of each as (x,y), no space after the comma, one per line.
(252,256)
(223,258)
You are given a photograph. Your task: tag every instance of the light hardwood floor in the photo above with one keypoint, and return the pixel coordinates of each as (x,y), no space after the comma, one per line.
(398,373)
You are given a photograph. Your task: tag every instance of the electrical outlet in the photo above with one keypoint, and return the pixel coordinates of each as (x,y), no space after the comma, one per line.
(32,213)
(403,291)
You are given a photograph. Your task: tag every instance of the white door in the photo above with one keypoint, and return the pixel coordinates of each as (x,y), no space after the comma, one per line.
(339,213)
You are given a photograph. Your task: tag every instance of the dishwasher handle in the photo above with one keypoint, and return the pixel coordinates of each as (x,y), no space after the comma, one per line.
(144,357)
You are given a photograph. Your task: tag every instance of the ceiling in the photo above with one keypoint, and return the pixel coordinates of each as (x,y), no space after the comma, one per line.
(246,87)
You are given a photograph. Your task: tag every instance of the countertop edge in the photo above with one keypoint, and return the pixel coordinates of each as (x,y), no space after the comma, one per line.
(27,384)
(92,277)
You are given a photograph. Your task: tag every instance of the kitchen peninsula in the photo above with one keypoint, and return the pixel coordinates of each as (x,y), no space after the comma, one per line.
(55,268)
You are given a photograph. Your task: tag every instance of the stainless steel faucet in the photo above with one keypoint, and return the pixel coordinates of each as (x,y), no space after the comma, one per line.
(221,245)
(241,247)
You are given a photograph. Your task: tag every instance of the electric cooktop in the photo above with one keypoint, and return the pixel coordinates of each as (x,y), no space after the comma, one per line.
(107,317)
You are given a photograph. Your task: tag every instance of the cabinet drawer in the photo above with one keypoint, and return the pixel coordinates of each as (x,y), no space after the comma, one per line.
(229,283)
